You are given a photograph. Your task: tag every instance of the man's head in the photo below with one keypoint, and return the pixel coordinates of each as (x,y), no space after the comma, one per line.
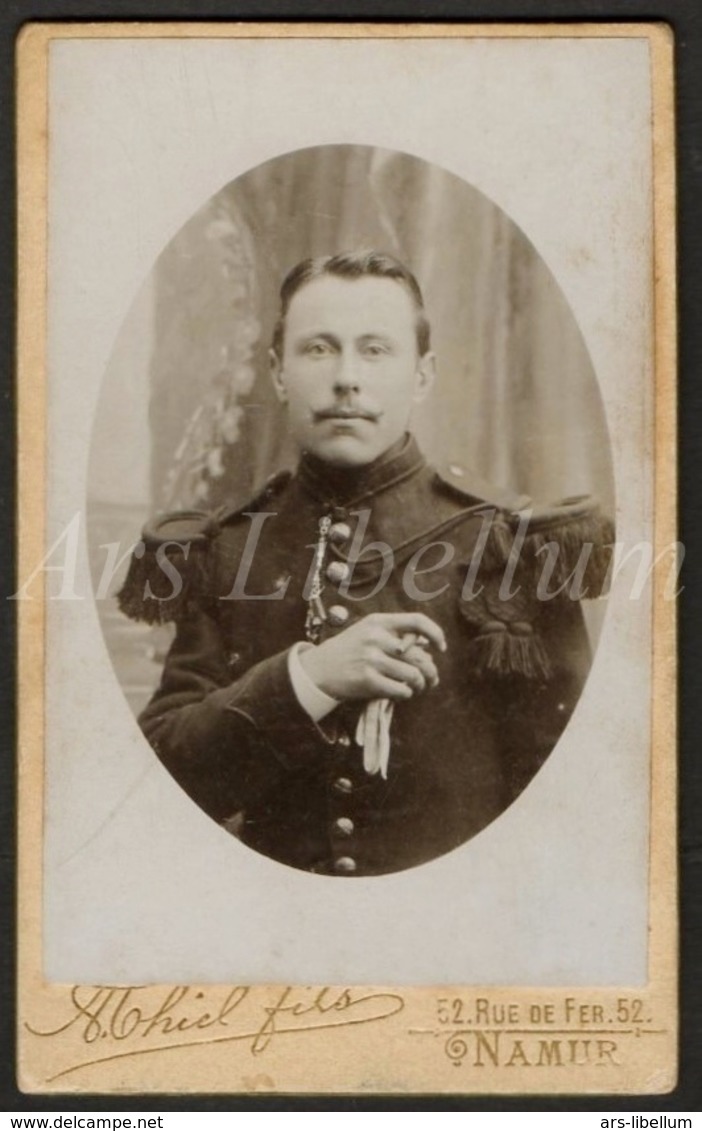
(351,354)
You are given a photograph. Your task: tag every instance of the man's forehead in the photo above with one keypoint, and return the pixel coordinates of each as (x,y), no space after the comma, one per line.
(369,301)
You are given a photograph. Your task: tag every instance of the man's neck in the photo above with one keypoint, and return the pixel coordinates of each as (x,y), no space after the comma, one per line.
(346,485)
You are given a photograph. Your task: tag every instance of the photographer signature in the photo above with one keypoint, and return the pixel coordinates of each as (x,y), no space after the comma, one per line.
(145,1019)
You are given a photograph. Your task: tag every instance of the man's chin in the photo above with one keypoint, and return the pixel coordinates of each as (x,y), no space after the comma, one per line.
(346,452)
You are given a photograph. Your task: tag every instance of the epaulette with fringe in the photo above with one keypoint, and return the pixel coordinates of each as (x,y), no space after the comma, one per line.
(497,504)
(569,543)
(170,573)
(536,555)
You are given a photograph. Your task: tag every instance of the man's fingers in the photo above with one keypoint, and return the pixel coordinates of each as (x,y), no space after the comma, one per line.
(408,649)
(386,688)
(418,623)
(402,672)
(422,660)
(393,644)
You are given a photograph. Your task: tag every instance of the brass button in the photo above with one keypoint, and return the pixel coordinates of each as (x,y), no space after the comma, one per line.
(344,825)
(343,785)
(338,615)
(338,572)
(344,739)
(345,864)
(339,532)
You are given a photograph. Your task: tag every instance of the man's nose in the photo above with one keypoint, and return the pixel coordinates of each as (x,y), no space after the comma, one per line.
(347,378)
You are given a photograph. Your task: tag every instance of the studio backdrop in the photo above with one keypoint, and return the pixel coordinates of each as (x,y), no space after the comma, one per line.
(187,414)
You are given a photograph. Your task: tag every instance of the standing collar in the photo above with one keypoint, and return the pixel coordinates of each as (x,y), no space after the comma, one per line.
(349,485)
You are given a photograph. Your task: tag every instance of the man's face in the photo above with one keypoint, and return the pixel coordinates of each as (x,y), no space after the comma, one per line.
(351,371)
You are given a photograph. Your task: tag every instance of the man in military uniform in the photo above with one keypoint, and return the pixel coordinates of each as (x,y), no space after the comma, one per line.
(369,664)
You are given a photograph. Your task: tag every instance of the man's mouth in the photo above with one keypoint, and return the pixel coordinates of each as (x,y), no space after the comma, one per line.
(346,413)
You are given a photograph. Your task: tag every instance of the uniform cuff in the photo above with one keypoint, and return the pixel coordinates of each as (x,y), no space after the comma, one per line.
(315,702)
(264,696)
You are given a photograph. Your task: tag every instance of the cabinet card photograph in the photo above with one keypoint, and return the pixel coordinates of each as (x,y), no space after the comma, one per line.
(348,559)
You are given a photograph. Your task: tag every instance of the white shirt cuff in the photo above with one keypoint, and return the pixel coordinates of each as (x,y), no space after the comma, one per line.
(315,702)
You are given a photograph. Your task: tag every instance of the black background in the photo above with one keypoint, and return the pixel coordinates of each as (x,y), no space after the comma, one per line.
(685,17)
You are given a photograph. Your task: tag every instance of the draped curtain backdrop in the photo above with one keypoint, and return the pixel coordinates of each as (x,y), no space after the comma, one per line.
(187,416)
(516,401)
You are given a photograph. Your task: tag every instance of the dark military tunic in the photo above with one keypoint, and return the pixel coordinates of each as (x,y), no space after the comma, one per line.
(225,720)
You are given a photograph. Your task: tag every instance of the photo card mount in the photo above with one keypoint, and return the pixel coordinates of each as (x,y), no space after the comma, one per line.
(145,931)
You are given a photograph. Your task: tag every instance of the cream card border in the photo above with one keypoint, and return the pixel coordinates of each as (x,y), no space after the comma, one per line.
(338,1039)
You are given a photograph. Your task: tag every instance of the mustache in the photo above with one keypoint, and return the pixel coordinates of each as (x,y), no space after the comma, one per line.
(346,412)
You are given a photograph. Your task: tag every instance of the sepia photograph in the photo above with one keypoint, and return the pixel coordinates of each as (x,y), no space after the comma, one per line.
(353,590)
(303,727)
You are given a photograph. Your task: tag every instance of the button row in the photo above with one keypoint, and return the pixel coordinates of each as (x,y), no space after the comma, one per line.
(338,615)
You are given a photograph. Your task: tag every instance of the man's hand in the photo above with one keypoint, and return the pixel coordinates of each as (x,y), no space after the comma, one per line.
(379,657)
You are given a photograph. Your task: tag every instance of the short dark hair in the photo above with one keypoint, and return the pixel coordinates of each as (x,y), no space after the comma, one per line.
(352,265)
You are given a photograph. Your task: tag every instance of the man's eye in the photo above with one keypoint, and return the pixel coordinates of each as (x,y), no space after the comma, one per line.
(316,349)
(374,349)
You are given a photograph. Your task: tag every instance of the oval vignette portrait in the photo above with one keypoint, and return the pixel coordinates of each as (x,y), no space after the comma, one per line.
(351,454)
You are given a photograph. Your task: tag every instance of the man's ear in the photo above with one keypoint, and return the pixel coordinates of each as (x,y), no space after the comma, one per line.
(425,376)
(276,368)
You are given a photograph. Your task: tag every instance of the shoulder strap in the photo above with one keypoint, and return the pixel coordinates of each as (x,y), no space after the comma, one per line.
(468,486)
(271,488)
